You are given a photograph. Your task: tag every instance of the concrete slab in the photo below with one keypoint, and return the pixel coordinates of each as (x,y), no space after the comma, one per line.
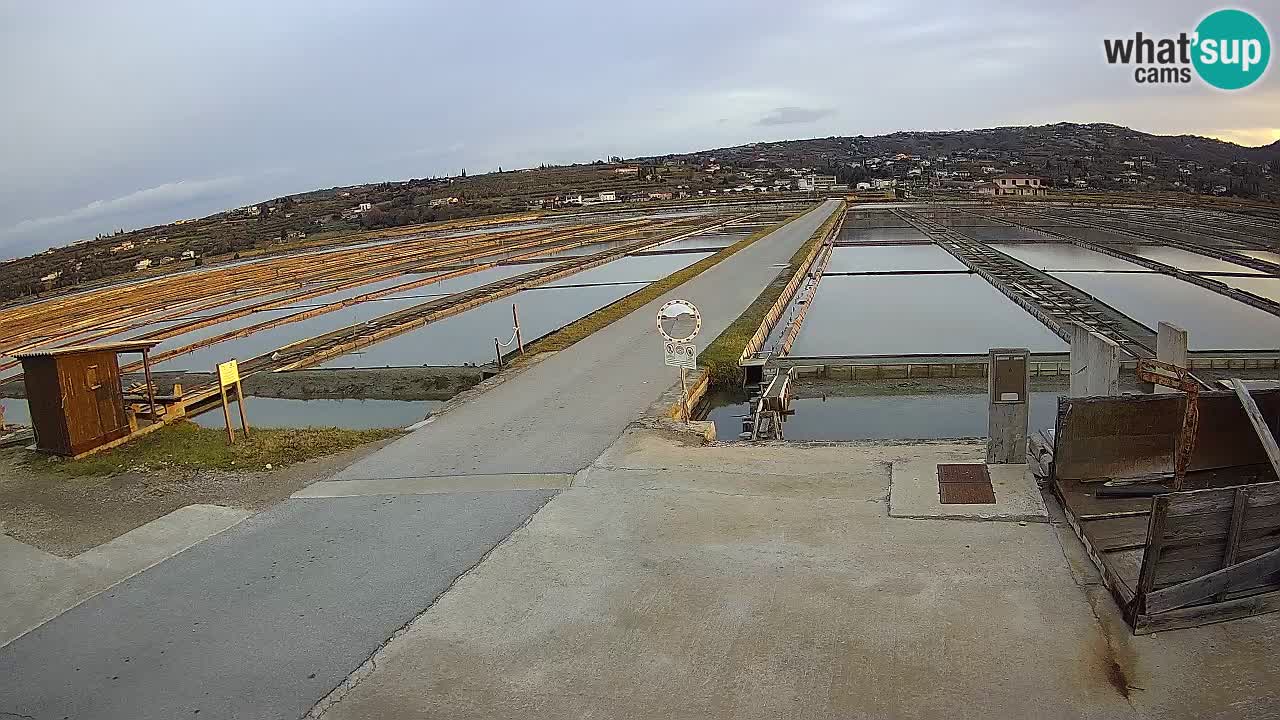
(700,604)
(161,538)
(651,588)
(913,491)
(36,586)
(439,484)
(261,620)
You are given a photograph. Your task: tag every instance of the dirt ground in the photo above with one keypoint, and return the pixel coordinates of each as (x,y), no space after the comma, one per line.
(67,515)
(415,383)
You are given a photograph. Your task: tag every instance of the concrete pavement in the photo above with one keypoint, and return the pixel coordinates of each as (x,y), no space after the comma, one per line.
(36,586)
(262,620)
(559,415)
(771,581)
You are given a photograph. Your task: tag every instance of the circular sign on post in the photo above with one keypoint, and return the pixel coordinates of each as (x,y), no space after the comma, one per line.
(679,321)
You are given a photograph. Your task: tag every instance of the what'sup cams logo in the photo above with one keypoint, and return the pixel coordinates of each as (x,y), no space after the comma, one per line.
(1229,50)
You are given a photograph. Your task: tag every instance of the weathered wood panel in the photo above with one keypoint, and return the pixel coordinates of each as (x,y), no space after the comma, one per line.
(44,398)
(1100,438)
(1207,533)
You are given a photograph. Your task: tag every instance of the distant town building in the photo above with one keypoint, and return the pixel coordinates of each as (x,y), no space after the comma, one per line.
(189,255)
(51,276)
(125,246)
(443,202)
(142,264)
(627,171)
(1018,185)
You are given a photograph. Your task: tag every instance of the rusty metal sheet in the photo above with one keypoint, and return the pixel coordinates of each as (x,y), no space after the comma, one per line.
(966,493)
(963,473)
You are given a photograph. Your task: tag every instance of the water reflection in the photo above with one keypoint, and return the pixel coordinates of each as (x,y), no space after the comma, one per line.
(1212,321)
(893,315)
(887,417)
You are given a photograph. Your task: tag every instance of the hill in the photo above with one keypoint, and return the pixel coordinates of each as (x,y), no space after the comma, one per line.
(1096,157)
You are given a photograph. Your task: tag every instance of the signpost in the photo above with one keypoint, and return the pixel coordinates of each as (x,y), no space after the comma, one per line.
(679,322)
(229,378)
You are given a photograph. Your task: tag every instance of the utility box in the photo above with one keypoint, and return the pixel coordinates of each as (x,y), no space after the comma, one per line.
(1009,397)
(74,393)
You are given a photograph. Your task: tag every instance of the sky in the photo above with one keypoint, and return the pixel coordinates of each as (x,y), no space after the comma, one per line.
(137,112)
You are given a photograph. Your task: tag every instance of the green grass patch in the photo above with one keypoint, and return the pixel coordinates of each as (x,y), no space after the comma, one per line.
(607,315)
(720,358)
(185,445)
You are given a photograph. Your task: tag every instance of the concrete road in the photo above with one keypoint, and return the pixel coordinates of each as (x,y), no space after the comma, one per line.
(262,620)
(265,619)
(558,416)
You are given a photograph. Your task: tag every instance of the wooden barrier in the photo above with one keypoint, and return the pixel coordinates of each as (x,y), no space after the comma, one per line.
(1173,559)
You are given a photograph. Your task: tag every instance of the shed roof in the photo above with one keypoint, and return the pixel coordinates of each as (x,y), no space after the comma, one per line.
(117,347)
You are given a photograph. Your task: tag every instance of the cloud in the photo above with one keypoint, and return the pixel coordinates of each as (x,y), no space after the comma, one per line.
(1249,137)
(795,116)
(161,196)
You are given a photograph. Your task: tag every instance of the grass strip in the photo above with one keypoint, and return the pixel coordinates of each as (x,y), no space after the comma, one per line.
(607,315)
(185,445)
(720,358)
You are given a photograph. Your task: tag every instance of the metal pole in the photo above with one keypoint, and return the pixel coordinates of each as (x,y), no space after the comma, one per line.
(497,350)
(684,397)
(515,318)
(146,371)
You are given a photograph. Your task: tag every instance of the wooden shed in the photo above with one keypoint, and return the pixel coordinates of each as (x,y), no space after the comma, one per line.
(74,393)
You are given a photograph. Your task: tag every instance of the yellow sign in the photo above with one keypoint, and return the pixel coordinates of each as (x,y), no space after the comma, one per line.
(228,373)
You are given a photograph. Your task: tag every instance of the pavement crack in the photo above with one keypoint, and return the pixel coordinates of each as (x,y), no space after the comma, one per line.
(4,713)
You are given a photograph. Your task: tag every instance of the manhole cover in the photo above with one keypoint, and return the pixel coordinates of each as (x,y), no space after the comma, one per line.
(964,473)
(967,484)
(966,494)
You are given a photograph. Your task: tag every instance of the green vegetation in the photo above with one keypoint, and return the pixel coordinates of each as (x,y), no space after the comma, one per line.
(186,445)
(607,315)
(720,358)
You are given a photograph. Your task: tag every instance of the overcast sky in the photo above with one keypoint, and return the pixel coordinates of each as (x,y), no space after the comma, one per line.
(132,113)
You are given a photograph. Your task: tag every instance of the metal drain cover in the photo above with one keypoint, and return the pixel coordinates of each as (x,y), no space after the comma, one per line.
(965,484)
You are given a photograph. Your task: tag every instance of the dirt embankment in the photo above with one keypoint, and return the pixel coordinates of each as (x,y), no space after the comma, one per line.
(417,383)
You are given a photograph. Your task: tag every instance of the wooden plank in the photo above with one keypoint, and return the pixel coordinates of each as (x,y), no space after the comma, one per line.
(1129,436)
(1197,615)
(1260,427)
(1121,590)
(1234,531)
(1151,558)
(1126,565)
(1196,502)
(1117,533)
(1177,596)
